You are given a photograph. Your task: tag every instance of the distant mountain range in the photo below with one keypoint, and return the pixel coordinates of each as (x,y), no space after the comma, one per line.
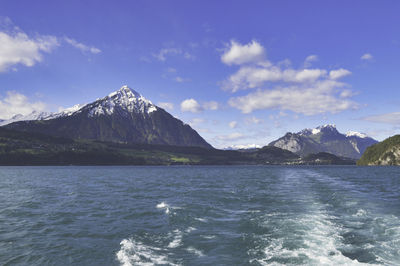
(325,139)
(28,148)
(123,116)
(126,128)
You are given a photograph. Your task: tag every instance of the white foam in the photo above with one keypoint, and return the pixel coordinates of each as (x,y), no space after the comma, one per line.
(136,253)
(201,220)
(177,241)
(208,236)
(195,251)
(190,229)
(164,206)
(360,213)
(320,242)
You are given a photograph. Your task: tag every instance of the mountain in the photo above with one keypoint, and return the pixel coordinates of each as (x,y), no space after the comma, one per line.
(35,115)
(386,152)
(325,139)
(123,116)
(28,148)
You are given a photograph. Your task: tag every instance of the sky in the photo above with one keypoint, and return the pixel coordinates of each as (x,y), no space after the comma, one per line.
(241,73)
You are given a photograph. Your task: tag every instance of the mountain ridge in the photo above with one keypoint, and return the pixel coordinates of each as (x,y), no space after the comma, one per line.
(122,116)
(325,138)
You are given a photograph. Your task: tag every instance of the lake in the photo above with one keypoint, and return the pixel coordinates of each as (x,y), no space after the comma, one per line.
(200,215)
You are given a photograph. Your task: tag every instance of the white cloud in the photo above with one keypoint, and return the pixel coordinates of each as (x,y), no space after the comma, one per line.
(233,124)
(171,70)
(232,136)
(316,99)
(309,59)
(242,146)
(15,103)
(249,77)
(166,105)
(191,105)
(82,47)
(280,86)
(239,54)
(211,105)
(304,75)
(18,48)
(389,118)
(367,57)
(339,73)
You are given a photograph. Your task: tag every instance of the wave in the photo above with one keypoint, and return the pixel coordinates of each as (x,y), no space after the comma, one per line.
(134,252)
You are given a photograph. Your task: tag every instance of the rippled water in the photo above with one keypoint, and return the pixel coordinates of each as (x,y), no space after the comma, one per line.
(242,215)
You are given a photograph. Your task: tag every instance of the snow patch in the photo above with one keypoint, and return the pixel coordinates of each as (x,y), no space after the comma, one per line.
(126,99)
(356,134)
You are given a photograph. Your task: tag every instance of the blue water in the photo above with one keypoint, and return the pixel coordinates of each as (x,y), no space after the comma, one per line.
(206,215)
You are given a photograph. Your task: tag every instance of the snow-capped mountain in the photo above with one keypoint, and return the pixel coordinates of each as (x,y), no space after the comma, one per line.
(35,115)
(125,99)
(325,138)
(122,116)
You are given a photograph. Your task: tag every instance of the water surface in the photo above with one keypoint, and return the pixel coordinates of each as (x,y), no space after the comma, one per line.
(205,215)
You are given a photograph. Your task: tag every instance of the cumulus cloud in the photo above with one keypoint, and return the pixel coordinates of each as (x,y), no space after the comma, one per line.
(16,103)
(233,124)
(249,77)
(82,47)
(367,57)
(280,86)
(339,73)
(211,105)
(312,100)
(166,105)
(389,118)
(238,54)
(191,105)
(17,48)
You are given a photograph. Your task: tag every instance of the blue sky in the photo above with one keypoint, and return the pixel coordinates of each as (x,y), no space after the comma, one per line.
(240,72)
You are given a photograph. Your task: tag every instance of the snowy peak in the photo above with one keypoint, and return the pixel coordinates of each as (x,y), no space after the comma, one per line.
(126,99)
(356,134)
(35,115)
(314,131)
